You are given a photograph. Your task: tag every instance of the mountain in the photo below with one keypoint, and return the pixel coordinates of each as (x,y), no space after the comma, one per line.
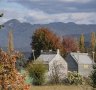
(23,32)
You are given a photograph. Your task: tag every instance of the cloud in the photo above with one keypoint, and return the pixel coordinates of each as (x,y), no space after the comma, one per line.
(46,12)
(59,6)
(76,1)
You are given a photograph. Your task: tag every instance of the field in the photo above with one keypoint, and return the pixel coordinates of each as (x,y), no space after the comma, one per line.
(61,87)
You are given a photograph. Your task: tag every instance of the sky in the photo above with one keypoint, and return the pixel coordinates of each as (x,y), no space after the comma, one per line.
(48,11)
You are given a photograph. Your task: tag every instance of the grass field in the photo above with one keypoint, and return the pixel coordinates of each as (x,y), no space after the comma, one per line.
(61,87)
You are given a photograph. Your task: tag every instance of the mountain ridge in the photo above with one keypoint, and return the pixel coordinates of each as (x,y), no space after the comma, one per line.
(23,31)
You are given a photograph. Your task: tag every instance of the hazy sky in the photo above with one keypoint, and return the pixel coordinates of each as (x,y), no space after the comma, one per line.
(46,11)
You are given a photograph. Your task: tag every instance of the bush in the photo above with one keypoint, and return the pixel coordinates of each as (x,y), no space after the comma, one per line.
(57,73)
(93,76)
(74,78)
(37,72)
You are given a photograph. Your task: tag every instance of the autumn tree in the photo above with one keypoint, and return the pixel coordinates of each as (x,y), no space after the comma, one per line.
(10,78)
(82,43)
(44,39)
(93,41)
(69,44)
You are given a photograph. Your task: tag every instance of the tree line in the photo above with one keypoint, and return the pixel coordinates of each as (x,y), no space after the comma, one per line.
(44,39)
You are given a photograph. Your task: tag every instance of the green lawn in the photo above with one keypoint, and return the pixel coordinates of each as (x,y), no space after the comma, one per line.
(61,87)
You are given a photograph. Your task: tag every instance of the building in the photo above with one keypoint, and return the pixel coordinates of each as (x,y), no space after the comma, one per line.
(79,62)
(55,64)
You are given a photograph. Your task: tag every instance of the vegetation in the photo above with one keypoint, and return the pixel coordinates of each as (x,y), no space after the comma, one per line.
(56,75)
(93,76)
(10,78)
(37,72)
(69,45)
(82,43)
(75,79)
(44,39)
(93,41)
(1,15)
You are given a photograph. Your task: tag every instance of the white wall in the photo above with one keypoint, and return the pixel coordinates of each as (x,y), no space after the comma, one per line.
(59,65)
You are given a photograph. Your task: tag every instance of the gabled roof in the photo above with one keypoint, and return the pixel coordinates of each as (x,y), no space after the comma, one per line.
(81,58)
(46,57)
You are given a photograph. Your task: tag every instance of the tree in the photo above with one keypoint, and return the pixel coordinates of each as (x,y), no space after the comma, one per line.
(82,43)
(57,72)
(37,72)
(69,44)
(10,42)
(93,41)
(44,39)
(1,16)
(93,76)
(10,78)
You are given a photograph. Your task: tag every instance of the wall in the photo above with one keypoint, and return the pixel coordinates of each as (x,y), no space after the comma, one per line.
(72,65)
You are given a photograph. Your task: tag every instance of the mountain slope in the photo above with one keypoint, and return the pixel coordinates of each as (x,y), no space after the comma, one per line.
(23,32)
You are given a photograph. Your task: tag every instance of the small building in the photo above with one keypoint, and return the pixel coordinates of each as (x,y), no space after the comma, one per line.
(79,62)
(55,64)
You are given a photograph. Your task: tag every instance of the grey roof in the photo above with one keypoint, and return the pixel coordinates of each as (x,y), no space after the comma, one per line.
(81,58)
(46,57)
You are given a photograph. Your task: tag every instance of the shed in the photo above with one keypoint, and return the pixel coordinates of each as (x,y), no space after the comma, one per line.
(80,62)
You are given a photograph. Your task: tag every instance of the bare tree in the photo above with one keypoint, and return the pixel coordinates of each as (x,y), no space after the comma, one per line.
(57,72)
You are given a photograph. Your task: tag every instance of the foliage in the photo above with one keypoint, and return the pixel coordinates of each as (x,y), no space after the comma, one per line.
(21,63)
(93,41)
(10,78)
(10,42)
(69,44)
(1,15)
(37,72)
(93,76)
(57,73)
(75,78)
(44,39)
(82,43)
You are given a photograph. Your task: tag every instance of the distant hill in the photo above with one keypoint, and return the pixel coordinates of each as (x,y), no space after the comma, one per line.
(23,32)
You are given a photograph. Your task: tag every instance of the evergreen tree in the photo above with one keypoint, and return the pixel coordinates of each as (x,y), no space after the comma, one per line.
(93,41)
(81,43)
(93,76)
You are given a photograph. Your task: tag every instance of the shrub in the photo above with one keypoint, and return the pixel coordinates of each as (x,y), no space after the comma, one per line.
(57,73)
(93,76)
(74,78)
(37,72)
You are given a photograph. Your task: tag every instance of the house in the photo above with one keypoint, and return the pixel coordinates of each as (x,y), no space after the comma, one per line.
(55,64)
(79,62)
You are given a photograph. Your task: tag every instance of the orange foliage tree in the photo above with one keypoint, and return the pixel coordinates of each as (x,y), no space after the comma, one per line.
(44,39)
(10,78)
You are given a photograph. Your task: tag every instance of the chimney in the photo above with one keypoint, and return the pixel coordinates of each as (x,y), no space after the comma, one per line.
(50,50)
(58,52)
(41,51)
